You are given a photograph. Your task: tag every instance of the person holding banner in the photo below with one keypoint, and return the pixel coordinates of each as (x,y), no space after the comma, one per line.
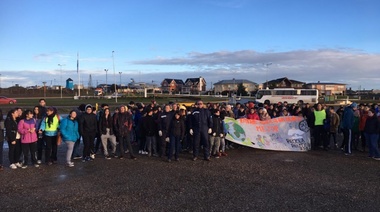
(200,127)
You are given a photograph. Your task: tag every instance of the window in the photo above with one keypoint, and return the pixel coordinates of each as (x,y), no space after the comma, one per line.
(286,92)
(308,92)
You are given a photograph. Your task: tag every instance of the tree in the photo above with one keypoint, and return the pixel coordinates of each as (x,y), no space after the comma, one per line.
(241,90)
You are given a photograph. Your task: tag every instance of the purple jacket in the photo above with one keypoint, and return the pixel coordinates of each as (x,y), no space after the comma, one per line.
(23,128)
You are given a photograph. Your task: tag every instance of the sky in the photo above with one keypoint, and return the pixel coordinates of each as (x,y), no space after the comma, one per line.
(150,40)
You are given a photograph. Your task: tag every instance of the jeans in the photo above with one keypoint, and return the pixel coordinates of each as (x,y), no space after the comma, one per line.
(214,144)
(51,148)
(70,148)
(201,138)
(125,140)
(32,148)
(373,145)
(347,141)
(88,141)
(76,152)
(112,139)
(40,147)
(14,151)
(151,144)
(175,144)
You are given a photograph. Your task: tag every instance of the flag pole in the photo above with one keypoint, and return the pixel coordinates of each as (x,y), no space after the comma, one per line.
(78,74)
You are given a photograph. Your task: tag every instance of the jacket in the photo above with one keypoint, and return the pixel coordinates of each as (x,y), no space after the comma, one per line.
(88,123)
(52,129)
(217,126)
(348,118)
(123,123)
(201,120)
(372,125)
(177,128)
(149,126)
(69,130)
(10,129)
(104,123)
(24,127)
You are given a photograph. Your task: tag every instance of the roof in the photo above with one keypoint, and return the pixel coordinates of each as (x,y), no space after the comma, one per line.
(178,81)
(325,83)
(285,78)
(234,81)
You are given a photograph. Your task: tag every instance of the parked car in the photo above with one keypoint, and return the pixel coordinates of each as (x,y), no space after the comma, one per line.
(6,100)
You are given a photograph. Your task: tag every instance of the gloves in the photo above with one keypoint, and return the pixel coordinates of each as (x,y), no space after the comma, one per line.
(191,132)
(221,135)
(214,134)
(209,130)
(160,133)
(167,139)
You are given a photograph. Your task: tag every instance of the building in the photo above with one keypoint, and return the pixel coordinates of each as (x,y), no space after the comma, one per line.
(232,86)
(282,83)
(194,85)
(172,85)
(327,88)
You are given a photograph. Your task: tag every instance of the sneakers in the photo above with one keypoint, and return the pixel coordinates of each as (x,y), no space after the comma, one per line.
(77,157)
(144,152)
(13,166)
(39,161)
(140,152)
(376,158)
(114,155)
(24,166)
(18,165)
(36,165)
(70,164)
(121,157)
(108,157)
(92,156)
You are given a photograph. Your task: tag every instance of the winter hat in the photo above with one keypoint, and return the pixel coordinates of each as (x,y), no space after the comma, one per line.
(354,105)
(88,106)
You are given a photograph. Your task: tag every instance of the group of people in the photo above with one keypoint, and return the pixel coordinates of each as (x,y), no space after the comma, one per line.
(165,131)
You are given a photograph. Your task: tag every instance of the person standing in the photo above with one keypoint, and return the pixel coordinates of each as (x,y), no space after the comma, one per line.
(334,124)
(217,133)
(88,128)
(164,120)
(70,134)
(106,131)
(371,132)
(40,142)
(49,127)
(123,126)
(200,127)
(319,129)
(13,139)
(175,134)
(149,129)
(27,129)
(347,125)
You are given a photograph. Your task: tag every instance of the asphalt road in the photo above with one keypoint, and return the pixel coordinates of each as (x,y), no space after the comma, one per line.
(245,180)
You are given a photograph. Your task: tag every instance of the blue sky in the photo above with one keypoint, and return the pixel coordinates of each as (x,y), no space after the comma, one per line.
(305,40)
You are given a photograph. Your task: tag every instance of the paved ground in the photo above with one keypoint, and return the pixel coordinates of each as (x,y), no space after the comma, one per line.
(246,180)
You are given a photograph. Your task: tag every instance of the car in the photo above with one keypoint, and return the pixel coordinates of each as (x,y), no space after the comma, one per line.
(6,100)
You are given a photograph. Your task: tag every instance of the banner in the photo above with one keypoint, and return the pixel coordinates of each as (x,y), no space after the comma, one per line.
(288,133)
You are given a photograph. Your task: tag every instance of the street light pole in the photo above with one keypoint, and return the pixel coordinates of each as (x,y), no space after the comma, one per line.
(60,65)
(106,70)
(120,78)
(266,73)
(114,74)
(44,88)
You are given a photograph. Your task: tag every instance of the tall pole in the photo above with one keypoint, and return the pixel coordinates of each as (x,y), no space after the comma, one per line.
(114,74)
(266,73)
(78,74)
(120,77)
(44,88)
(60,65)
(106,70)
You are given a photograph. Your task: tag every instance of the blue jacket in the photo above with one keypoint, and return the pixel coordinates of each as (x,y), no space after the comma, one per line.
(348,118)
(201,120)
(69,130)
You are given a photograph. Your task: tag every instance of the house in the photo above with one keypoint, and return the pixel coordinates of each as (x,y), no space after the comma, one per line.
(328,88)
(282,83)
(172,85)
(194,85)
(232,85)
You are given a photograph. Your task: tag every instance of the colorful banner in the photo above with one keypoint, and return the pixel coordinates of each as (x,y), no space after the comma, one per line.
(288,133)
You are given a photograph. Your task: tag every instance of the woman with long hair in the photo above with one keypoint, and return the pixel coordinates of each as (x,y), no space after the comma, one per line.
(49,127)
(13,139)
(70,134)
(106,130)
(27,129)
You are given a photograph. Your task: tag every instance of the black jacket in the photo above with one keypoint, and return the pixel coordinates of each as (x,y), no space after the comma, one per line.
(177,128)
(372,125)
(105,123)
(11,129)
(149,126)
(88,123)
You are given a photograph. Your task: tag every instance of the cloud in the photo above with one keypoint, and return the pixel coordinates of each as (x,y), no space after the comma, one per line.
(348,66)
